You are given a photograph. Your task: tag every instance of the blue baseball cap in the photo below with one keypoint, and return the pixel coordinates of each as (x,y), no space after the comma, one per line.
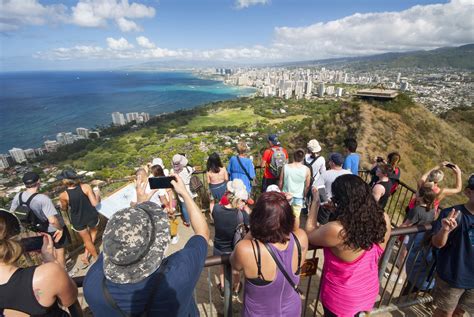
(273,138)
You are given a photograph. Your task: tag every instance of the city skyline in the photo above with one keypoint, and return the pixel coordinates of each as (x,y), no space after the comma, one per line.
(98,34)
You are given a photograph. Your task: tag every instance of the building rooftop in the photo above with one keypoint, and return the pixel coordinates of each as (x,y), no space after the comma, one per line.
(377,93)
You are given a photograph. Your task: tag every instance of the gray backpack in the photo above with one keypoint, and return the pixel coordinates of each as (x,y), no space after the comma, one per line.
(278,161)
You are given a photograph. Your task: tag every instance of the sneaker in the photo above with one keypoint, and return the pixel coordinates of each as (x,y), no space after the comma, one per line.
(175,239)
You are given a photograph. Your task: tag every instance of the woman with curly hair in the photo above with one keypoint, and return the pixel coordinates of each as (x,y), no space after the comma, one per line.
(352,247)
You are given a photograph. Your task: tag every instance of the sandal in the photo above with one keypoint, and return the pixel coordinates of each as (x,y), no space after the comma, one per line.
(186,223)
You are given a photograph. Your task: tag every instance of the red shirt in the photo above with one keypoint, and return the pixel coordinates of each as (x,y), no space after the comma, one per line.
(267,157)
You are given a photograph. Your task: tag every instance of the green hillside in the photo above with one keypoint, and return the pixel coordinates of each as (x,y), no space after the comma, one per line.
(422,138)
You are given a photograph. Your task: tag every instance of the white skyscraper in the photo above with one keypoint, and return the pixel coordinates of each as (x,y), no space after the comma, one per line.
(18,155)
(146,116)
(118,118)
(29,153)
(83,132)
(3,161)
(132,116)
(399,75)
(321,90)
(339,92)
(51,145)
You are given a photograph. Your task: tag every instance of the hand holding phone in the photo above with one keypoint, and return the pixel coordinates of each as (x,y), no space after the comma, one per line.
(161,182)
(31,244)
(450,165)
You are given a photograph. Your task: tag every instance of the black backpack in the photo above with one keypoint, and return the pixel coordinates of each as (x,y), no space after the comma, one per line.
(27,216)
(310,165)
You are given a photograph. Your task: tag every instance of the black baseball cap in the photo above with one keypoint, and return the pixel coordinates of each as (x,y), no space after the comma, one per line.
(30,178)
(470,182)
(68,174)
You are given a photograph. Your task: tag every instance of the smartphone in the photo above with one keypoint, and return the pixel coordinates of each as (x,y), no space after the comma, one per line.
(32,243)
(450,165)
(160,182)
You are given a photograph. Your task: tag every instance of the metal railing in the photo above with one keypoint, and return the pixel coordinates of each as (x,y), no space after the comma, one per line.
(400,286)
(391,275)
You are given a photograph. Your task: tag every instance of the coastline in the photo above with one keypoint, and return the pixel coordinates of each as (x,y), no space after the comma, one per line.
(236,91)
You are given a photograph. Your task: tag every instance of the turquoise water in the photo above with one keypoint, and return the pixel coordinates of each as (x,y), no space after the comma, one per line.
(36,106)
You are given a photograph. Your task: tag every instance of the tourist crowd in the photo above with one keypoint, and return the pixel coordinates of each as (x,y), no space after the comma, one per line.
(342,214)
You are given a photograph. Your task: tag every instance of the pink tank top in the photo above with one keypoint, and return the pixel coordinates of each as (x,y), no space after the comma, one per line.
(350,287)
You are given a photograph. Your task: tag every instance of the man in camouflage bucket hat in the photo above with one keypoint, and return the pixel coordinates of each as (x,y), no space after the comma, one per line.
(135,240)
(132,277)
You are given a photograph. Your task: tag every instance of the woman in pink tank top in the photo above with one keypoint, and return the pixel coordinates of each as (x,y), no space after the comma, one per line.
(352,247)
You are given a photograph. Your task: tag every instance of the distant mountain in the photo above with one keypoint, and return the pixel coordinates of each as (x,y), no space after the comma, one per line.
(461,57)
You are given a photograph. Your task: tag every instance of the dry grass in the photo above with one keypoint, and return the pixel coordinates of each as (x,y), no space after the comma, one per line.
(422,139)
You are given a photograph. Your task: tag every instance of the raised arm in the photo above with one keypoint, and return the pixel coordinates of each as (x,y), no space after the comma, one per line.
(198,221)
(424,177)
(458,187)
(94,197)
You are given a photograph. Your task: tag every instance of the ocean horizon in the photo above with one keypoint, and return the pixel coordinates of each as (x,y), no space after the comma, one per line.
(35,106)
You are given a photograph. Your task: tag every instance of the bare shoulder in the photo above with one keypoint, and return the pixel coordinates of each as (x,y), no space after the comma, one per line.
(49,274)
(86,188)
(301,235)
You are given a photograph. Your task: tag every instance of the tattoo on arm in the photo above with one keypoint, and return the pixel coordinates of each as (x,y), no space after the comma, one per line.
(38,292)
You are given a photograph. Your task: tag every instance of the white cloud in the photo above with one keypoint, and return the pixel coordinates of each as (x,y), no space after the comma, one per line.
(241,4)
(419,27)
(127,25)
(96,13)
(145,42)
(14,13)
(118,45)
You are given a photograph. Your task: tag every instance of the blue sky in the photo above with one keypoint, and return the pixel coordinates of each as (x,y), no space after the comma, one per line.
(89,34)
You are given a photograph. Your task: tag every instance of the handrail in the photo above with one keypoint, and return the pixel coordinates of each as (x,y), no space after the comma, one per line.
(215,260)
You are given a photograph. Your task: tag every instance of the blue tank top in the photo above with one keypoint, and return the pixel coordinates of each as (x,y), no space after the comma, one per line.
(277,298)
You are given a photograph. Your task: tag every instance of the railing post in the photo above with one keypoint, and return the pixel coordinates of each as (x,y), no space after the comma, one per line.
(386,256)
(227,290)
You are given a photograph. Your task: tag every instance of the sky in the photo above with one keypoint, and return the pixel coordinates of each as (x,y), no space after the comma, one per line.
(101,34)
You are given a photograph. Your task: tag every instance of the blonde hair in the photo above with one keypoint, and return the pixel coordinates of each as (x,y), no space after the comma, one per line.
(242,147)
(71,182)
(233,200)
(10,249)
(435,176)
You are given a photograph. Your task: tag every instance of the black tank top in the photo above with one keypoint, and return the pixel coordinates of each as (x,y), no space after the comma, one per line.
(17,294)
(384,199)
(82,211)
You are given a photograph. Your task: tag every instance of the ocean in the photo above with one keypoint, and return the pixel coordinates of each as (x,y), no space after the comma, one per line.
(35,106)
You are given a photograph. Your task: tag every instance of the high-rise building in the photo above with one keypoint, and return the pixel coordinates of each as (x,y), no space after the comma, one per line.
(146,116)
(18,155)
(51,145)
(321,90)
(132,116)
(30,154)
(83,132)
(339,92)
(118,118)
(4,161)
(39,151)
(399,75)
(94,135)
(64,138)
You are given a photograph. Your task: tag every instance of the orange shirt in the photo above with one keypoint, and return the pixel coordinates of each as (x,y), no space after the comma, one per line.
(267,157)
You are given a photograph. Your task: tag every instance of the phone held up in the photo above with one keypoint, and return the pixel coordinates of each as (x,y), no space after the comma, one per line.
(450,165)
(161,182)
(32,243)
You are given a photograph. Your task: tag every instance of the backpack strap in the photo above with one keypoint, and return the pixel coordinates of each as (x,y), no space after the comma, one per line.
(240,217)
(282,270)
(245,171)
(28,201)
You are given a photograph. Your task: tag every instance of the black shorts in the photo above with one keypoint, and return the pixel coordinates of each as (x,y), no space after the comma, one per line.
(92,222)
(65,240)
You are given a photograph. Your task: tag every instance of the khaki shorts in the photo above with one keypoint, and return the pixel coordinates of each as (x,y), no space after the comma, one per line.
(296,210)
(447,298)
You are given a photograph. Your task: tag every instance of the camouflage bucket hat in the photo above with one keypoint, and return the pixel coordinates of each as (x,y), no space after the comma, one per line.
(135,240)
